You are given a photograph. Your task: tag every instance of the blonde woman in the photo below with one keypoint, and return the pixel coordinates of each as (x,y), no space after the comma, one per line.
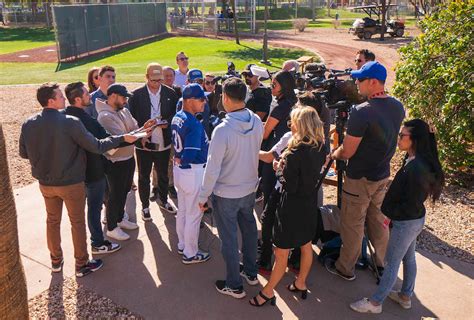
(298,170)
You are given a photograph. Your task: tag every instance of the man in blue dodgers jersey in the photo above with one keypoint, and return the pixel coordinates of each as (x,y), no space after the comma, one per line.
(191,145)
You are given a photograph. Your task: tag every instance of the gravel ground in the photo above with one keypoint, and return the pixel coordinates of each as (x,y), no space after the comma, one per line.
(69,300)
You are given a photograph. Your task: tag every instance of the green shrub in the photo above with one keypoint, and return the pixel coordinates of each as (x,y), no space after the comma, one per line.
(434,79)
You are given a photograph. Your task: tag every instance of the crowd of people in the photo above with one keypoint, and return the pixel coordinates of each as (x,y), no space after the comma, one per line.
(227,147)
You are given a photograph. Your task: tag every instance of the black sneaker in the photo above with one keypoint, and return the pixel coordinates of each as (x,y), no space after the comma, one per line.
(91,266)
(168,207)
(106,247)
(362,264)
(251,280)
(331,268)
(57,267)
(238,293)
(154,194)
(146,216)
(172,192)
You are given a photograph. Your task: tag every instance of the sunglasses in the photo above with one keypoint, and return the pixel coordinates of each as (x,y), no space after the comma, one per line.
(401,135)
(362,79)
(210,83)
(358,60)
(96,77)
(183,59)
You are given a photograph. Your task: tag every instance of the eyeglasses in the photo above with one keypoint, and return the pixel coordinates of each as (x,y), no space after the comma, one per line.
(401,135)
(183,59)
(362,79)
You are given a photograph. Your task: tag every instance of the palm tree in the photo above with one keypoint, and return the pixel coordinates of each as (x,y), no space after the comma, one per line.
(13,295)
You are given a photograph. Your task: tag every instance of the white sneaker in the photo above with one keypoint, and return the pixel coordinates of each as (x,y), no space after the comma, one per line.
(365,306)
(125,224)
(394,295)
(117,234)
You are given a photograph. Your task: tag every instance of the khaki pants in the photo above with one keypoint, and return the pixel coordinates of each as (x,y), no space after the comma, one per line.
(361,202)
(74,197)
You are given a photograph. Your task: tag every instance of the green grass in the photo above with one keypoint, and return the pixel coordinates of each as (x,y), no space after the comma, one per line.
(17,39)
(209,55)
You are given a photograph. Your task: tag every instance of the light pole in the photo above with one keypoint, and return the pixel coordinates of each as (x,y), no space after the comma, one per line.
(265,36)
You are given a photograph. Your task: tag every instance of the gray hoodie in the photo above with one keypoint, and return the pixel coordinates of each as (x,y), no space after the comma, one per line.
(232,163)
(116,123)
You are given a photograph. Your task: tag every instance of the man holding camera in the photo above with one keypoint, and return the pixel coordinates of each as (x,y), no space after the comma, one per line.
(260,95)
(362,57)
(154,101)
(369,146)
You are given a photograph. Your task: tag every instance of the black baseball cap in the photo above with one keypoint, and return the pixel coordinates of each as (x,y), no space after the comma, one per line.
(119,89)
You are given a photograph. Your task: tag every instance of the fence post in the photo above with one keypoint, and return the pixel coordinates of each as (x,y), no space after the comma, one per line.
(128,23)
(85,30)
(110,25)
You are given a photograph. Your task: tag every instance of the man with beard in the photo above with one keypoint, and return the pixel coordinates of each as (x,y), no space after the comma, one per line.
(260,95)
(116,119)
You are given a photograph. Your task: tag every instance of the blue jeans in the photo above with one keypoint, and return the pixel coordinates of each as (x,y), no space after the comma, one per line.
(230,214)
(401,246)
(95,192)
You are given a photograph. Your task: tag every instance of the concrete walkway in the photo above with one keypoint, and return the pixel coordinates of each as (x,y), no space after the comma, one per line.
(147,277)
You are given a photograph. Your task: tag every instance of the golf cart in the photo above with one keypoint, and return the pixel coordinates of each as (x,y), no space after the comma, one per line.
(365,28)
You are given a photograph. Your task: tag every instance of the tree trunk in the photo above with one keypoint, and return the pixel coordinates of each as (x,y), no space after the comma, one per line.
(236,31)
(13,295)
(384,22)
(313,15)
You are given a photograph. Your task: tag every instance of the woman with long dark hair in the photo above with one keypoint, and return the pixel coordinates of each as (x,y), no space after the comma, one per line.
(420,177)
(93,79)
(298,171)
(283,90)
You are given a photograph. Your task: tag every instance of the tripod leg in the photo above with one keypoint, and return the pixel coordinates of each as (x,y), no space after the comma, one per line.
(373,262)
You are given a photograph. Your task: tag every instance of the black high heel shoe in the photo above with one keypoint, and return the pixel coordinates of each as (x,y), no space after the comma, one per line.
(293,288)
(255,301)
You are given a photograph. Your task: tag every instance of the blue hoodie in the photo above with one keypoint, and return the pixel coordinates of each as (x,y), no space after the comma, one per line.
(232,163)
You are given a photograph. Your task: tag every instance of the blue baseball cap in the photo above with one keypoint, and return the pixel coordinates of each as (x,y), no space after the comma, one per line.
(193,91)
(371,70)
(194,74)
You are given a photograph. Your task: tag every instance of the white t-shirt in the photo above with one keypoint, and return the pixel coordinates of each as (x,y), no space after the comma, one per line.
(278,148)
(180,78)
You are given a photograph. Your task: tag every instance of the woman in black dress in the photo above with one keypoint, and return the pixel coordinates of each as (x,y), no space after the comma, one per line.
(283,89)
(298,170)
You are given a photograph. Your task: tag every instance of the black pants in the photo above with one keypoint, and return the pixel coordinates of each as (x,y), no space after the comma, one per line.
(268,181)
(145,160)
(119,180)
(268,219)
